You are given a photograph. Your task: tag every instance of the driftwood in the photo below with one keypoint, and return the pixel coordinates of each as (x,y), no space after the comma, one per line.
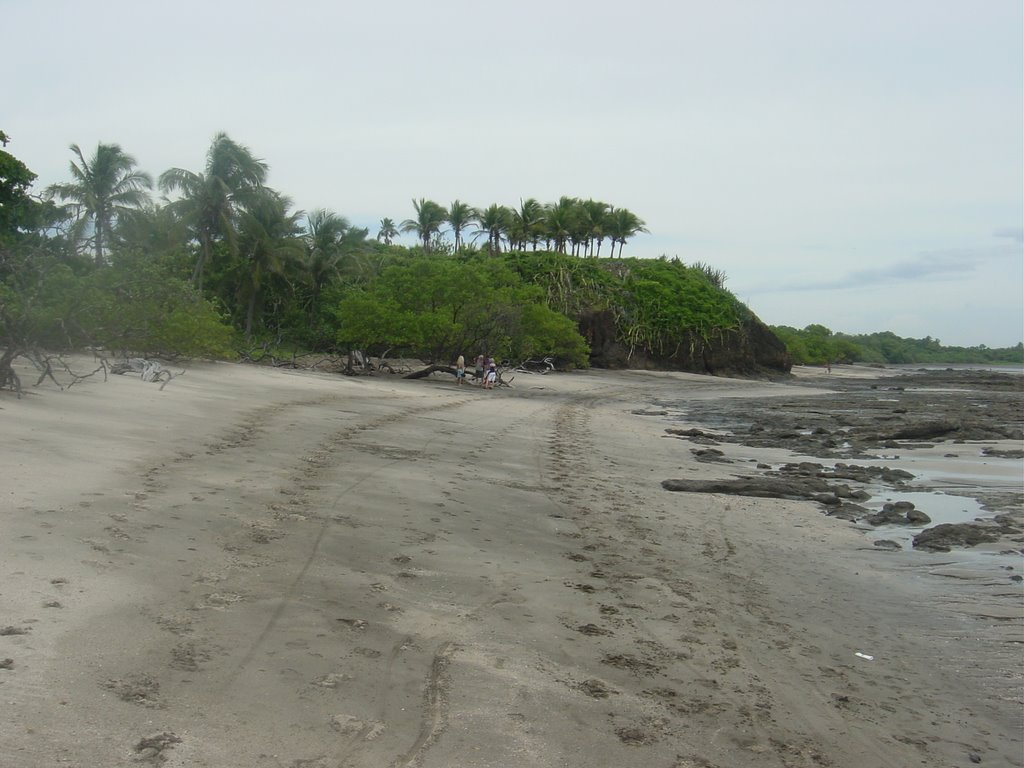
(542,366)
(429,370)
(360,363)
(45,364)
(148,370)
(422,374)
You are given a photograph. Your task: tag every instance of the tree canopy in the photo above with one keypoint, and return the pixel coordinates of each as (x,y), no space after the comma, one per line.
(438,308)
(103,187)
(818,345)
(225,264)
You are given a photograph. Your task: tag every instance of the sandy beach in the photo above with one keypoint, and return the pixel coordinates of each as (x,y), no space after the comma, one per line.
(259,568)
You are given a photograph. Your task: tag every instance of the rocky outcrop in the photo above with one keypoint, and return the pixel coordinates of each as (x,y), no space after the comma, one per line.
(899,513)
(750,350)
(802,488)
(921,430)
(942,538)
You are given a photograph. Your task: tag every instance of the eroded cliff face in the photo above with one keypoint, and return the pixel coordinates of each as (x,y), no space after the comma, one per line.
(751,350)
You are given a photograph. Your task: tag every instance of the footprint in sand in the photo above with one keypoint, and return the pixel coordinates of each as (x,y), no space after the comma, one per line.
(152,748)
(353,726)
(595,689)
(137,689)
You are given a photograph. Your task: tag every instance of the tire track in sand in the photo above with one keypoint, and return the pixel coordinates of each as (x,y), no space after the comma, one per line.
(323,462)
(435,707)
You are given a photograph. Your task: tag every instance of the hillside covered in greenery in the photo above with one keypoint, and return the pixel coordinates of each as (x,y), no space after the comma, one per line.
(817,345)
(222,265)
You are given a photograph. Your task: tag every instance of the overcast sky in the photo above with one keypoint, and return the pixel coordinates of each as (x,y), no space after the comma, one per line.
(854,163)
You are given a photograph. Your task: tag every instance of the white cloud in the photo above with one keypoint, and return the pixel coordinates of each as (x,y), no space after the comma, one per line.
(788,143)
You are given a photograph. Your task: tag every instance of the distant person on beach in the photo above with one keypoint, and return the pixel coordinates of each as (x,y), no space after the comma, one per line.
(478,369)
(491,376)
(460,370)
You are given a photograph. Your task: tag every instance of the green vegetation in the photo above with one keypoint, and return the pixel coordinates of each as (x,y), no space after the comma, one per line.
(224,264)
(99,272)
(666,299)
(817,345)
(104,186)
(19,211)
(438,307)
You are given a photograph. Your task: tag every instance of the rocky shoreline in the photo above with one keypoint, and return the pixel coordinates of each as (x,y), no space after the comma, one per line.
(872,418)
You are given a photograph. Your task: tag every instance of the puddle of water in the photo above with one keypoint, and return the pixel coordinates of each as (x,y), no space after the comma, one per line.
(940,507)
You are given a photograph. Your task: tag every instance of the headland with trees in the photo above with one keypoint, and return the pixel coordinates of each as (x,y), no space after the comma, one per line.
(215,263)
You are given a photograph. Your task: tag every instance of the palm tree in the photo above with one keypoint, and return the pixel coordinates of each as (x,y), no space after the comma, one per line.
(210,201)
(388,231)
(494,222)
(429,218)
(268,239)
(460,216)
(105,186)
(527,222)
(559,220)
(579,227)
(353,240)
(622,224)
(593,215)
(152,230)
(323,237)
(332,250)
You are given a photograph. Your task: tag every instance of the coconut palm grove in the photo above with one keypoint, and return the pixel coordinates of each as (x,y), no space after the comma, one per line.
(214,262)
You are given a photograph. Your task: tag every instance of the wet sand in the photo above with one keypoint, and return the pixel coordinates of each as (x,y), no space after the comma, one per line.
(265,568)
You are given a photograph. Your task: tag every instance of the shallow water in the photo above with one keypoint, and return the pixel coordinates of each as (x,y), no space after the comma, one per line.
(940,507)
(948,479)
(952,480)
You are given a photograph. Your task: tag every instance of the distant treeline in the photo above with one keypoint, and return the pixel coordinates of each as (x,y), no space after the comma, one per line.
(817,345)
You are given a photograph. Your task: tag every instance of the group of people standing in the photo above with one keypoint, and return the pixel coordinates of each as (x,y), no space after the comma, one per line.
(484,369)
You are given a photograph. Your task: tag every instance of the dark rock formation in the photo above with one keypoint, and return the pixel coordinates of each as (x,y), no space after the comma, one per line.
(887,544)
(1003,454)
(798,488)
(750,350)
(899,513)
(710,455)
(922,430)
(942,538)
(847,511)
(917,517)
(857,423)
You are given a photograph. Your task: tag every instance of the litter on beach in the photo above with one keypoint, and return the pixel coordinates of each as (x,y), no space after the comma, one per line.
(864,656)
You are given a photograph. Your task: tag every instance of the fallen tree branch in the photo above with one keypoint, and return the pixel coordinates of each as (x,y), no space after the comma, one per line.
(148,370)
(75,377)
(429,370)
